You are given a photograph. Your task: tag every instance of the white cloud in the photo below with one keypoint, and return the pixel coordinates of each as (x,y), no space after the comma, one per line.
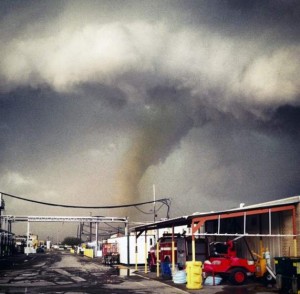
(273,79)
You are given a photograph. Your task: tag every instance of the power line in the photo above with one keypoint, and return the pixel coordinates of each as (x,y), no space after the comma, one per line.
(145,212)
(163,200)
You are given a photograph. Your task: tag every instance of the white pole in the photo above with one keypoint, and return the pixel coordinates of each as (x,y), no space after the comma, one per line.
(28,234)
(154,196)
(96,231)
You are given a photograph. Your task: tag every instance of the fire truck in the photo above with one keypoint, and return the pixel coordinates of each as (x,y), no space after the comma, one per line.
(165,251)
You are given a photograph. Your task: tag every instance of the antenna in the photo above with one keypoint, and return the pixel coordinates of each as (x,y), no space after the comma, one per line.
(154,196)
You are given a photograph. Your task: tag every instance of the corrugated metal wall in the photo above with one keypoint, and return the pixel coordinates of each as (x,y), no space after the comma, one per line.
(281,223)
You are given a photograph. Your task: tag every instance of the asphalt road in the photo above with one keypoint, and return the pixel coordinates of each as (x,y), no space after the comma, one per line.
(62,272)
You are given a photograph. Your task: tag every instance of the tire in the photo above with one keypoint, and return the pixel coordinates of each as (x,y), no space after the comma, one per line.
(238,276)
(268,279)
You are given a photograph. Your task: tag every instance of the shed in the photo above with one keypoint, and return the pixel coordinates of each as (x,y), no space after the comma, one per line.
(272,224)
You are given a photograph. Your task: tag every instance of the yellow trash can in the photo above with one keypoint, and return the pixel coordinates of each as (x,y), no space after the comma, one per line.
(194,275)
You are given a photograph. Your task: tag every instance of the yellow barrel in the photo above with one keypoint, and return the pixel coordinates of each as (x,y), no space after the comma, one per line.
(194,275)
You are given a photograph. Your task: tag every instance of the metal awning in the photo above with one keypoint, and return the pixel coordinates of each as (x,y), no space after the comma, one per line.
(261,208)
(173,222)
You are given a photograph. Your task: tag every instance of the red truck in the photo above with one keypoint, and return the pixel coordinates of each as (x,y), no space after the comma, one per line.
(110,253)
(165,251)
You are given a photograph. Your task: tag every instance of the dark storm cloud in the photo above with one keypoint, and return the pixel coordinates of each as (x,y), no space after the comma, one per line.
(246,17)
(114,97)
(286,120)
(110,97)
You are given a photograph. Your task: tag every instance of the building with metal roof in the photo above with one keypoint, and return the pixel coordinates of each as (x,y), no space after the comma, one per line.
(273,225)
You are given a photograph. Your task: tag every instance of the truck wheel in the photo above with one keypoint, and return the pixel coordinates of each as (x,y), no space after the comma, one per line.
(238,276)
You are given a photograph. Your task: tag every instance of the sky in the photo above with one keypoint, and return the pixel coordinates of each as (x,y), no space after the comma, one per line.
(101,100)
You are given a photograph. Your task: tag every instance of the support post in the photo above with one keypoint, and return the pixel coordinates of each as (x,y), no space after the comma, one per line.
(173,250)
(127,234)
(193,243)
(157,253)
(157,258)
(260,232)
(154,204)
(96,232)
(136,252)
(146,253)
(27,243)
(245,222)
(295,232)
(91,226)
(270,222)
(194,249)
(80,232)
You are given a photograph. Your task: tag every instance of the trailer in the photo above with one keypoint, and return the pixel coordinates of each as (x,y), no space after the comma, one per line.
(124,249)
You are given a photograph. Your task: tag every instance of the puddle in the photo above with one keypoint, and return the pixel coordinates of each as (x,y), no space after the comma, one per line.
(125,272)
(29,274)
(64,283)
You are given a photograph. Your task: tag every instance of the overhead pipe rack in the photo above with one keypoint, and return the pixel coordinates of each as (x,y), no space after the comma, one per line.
(8,219)
(92,219)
